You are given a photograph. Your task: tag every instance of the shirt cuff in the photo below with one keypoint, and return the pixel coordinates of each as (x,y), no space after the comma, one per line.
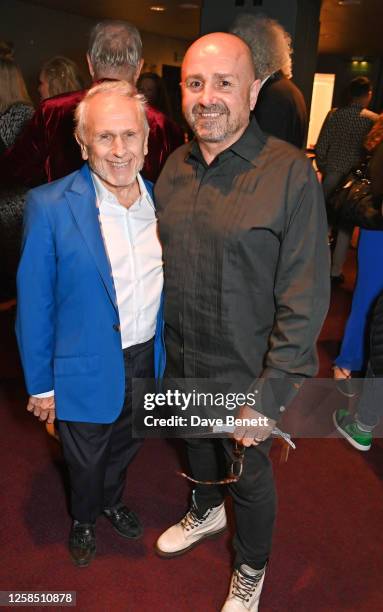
(45,394)
(274,391)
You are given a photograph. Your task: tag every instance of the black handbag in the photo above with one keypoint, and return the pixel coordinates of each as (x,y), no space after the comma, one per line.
(353,203)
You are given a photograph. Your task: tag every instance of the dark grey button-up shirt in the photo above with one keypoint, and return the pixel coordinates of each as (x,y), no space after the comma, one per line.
(246,262)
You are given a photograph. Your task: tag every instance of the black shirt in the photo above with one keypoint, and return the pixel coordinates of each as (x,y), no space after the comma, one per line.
(281,110)
(246,261)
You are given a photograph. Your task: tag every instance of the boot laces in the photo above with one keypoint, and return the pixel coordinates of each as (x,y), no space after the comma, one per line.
(244,586)
(191,520)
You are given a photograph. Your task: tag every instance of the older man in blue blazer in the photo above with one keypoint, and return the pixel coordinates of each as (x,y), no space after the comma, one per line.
(89,293)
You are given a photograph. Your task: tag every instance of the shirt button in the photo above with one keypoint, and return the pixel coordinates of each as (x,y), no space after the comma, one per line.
(116,327)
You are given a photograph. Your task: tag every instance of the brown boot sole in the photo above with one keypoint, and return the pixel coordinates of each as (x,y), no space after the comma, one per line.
(210,536)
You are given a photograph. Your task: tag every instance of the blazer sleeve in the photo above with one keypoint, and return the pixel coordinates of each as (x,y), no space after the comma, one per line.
(36,278)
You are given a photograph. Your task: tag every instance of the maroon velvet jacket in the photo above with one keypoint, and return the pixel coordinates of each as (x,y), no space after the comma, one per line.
(46,149)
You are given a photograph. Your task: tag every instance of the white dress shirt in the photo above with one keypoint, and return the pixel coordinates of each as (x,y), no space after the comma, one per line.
(135,256)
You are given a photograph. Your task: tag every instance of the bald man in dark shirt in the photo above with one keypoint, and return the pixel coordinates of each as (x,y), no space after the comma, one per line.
(244,232)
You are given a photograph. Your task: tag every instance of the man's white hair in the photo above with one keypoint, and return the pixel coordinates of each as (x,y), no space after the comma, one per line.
(119,88)
(269,42)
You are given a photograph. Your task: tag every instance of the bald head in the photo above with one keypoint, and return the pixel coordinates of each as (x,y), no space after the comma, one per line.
(218,89)
(211,46)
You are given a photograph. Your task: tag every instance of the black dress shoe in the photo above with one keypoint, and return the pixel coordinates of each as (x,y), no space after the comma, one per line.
(82,543)
(124,521)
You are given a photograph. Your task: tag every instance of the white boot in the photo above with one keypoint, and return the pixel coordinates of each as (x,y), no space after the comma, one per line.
(191,530)
(245,590)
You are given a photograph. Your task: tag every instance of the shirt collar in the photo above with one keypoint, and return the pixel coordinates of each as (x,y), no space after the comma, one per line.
(103,194)
(248,146)
(266,79)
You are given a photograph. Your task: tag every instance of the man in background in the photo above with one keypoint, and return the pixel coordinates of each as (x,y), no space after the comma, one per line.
(46,150)
(281,108)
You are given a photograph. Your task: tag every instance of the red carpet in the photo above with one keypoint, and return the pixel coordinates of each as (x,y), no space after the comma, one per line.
(328,543)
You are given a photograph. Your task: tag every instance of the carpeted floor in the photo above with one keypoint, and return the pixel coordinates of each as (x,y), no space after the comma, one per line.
(328,544)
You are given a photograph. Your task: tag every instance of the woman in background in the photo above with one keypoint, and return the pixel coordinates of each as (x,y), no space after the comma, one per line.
(15,104)
(59,75)
(153,88)
(15,110)
(369,283)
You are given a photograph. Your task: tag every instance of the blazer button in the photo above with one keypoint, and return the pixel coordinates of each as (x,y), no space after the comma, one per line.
(116,327)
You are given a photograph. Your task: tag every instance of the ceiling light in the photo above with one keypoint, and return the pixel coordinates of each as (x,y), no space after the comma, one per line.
(349,2)
(158,8)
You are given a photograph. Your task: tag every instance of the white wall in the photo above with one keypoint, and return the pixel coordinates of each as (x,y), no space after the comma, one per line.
(321,103)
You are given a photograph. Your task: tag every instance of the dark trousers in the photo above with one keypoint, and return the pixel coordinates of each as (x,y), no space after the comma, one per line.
(97,455)
(253,495)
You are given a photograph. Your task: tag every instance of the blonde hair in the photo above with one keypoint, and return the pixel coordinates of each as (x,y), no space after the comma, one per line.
(62,75)
(119,88)
(269,42)
(12,85)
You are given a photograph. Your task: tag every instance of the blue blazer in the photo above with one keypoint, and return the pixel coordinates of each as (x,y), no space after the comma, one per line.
(67,323)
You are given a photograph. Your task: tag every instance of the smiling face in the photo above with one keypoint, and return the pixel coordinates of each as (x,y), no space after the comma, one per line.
(218,88)
(114,140)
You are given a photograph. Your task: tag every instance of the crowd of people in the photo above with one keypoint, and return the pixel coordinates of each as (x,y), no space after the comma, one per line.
(221,272)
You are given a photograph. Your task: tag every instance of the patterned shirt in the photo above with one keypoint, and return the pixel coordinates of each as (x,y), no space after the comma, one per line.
(12,122)
(340,143)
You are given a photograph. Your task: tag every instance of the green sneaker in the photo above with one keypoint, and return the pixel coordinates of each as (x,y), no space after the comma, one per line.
(349,429)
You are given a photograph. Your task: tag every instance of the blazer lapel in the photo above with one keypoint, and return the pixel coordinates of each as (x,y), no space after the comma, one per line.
(81,198)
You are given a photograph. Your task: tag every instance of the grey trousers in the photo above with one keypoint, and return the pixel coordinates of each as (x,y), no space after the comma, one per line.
(370,407)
